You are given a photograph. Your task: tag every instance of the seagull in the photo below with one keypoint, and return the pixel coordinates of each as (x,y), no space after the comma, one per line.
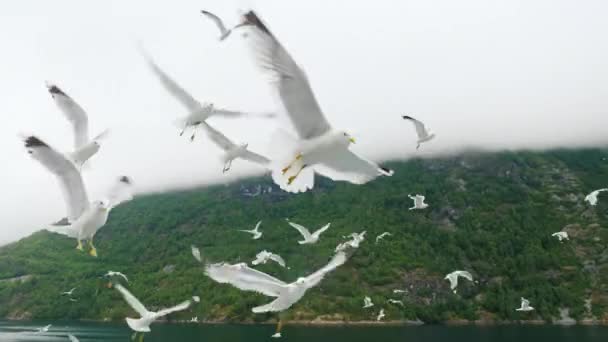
(395,301)
(84,148)
(561,236)
(525,305)
(592,197)
(264,256)
(276,335)
(418,202)
(423,133)
(73,338)
(196,299)
(73,300)
(318,147)
(45,328)
(396,291)
(224,32)
(357,238)
(308,237)
(255,232)
(197,112)
(453,278)
(84,218)
(249,279)
(116,274)
(68,293)
(381,236)
(147,317)
(194,319)
(367,302)
(380,315)
(196,253)
(231,150)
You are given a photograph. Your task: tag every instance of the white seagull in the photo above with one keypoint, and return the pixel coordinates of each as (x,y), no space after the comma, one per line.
(380,315)
(276,335)
(84,218)
(381,236)
(255,232)
(224,32)
(396,291)
(418,202)
(453,278)
(68,293)
(45,328)
(423,133)
(73,338)
(84,148)
(264,256)
(231,150)
(318,147)
(367,302)
(525,305)
(196,253)
(356,239)
(592,197)
(197,112)
(116,274)
(308,237)
(147,317)
(561,236)
(395,301)
(249,279)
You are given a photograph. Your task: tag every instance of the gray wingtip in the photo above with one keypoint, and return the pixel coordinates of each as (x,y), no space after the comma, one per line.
(407,117)
(63,222)
(55,90)
(33,141)
(125,179)
(252,18)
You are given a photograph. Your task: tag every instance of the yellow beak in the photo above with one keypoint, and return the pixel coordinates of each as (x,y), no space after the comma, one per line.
(352,140)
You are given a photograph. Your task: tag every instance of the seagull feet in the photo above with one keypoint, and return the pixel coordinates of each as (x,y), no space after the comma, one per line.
(291,179)
(285,169)
(93,251)
(79,246)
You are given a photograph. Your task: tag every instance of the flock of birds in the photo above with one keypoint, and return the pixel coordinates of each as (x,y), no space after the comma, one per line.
(316,148)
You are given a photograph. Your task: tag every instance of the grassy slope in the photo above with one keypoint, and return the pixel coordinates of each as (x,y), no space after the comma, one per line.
(491,214)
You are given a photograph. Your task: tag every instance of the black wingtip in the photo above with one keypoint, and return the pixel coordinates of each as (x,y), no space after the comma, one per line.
(125,179)
(406,117)
(253,19)
(32,141)
(387,171)
(53,89)
(63,222)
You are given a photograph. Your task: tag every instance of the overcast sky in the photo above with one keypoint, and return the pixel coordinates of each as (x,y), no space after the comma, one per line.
(487,73)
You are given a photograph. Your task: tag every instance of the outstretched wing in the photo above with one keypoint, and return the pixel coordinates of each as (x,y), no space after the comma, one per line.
(132,301)
(421,130)
(179,93)
(217,21)
(305,233)
(217,137)
(74,113)
(289,81)
(321,230)
(179,307)
(466,275)
(120,192)
(256,158)
(196,253)
(314,279)
(245,278)
(344,165)
(70,179)
(278,259)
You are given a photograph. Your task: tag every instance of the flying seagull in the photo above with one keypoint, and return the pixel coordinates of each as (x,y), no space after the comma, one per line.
(84,219)
(231,150)
(84,148)
(525,305)
(380,315)
(249,279)
(255,232)
(264,256)
(45,328)
(356,239)
(397,291)
(561,236)
(224,32)
(308,237)
(592,197)
(116,274)
(197,112)
(423,133)
(318,147)
(196,253)
(147,317)
(68,293)
(395,301)
(381,236)
(367,302)
(453,278)
(418,202)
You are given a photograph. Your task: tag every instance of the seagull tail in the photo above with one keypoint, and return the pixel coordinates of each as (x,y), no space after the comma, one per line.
(139,325)
(284,149)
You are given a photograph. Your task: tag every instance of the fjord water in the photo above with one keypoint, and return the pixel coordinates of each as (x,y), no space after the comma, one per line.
(22,332)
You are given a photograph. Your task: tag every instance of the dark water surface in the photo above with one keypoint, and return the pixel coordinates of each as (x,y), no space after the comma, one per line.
(27,331)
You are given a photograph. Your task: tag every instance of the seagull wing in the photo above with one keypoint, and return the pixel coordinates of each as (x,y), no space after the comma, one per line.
(305,233)
(179,93)
(218,137)
(196,253)
(421,130)
(179,307)
(73,338)
(278,259)
(466,275)
(74,113)
(254,157)
(132,301)
(70,179)
(289,81)
(338,260)
(245,278)
(283,302)
(321,230)
(120,192)
(344,165)
(217,21)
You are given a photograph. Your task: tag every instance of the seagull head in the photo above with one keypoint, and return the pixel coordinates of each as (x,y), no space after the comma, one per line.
(100,205)
(301,281)
(346,137)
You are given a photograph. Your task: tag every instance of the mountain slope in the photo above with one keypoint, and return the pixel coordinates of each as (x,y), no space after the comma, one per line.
(491,214)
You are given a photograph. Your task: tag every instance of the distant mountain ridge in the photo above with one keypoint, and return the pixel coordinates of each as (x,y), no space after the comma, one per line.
(490,213)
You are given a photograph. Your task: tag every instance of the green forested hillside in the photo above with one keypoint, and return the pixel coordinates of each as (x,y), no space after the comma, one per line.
(491,214)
